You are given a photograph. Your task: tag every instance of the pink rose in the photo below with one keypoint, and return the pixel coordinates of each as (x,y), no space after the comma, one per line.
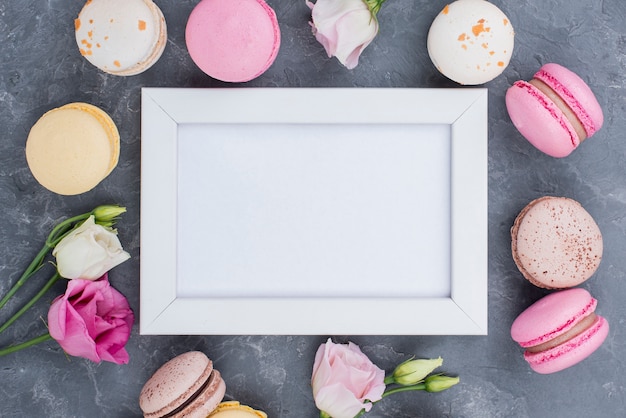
(344,379)
(92,320)
(344,27)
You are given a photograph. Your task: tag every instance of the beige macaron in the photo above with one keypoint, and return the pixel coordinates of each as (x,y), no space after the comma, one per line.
(72,148)
(555,243)
(233,409)
(186,386)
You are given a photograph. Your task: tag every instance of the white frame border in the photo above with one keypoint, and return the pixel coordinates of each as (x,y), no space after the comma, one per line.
(464,313)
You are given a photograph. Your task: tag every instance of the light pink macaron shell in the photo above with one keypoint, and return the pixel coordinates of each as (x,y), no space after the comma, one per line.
(552,316)
(571,352)
(233,40)
(540,120)
(576,93)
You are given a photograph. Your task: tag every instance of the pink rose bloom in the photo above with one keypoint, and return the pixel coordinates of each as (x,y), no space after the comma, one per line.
(344,379)
(344,27)
(92,320)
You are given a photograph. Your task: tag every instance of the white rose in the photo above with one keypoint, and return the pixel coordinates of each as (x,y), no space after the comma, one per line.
(344,27)
(88,252)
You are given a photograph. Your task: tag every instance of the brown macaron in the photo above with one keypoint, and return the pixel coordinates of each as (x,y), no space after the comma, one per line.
(555,242)
(185,386)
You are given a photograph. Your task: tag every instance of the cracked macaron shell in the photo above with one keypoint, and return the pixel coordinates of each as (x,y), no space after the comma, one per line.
(556,243)
(121,37)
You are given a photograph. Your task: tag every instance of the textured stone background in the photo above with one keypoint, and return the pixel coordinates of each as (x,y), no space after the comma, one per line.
(40,68)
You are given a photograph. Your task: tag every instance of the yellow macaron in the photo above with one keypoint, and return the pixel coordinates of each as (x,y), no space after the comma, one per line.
(72,148)
(233,409)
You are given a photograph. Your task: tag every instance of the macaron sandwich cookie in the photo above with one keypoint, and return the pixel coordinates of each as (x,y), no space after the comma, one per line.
(72,148)
(233,409)
(233,40)
(471,41)
(555,111)
(560,330)
(555,242)
(121,37)
(185,386)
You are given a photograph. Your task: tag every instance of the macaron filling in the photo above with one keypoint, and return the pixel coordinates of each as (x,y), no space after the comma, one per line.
(568,98)
(567,327)
(581,326)
(570,114)
(597,332)
(552,108)
(210,386)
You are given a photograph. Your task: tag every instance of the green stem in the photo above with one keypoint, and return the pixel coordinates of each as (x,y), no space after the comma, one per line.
(61,230)
(30,270)
(389,380)
(56,235)
(419,386)
(26,344)
(35,298)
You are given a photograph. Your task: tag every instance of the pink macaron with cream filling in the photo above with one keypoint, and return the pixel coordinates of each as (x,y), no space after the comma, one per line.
(233,40)
(560,330)
(555,111)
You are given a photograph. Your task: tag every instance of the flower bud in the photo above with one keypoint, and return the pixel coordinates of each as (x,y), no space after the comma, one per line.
(107,215)
(438,382)
(412,372)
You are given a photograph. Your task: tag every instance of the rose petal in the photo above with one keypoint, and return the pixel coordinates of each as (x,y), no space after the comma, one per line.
(92,320)
(339,402)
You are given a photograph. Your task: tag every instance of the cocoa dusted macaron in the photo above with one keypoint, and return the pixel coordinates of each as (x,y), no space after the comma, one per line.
(185,386)
(555,242)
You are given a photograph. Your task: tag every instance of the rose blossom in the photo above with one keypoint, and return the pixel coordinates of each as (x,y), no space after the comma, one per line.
(92,320)
(344,27)
(88,252)
(344,379)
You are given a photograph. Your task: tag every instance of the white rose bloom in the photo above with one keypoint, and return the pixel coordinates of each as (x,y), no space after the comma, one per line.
(88,252)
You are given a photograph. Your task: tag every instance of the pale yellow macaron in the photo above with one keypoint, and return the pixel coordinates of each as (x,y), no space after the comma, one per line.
(233,409)
(72,148)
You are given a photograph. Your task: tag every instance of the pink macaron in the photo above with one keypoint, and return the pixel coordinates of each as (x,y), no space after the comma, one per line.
(185,386)
(233,40)
(560,330)
(555,111)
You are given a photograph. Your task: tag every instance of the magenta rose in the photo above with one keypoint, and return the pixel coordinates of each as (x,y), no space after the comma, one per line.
(92,320)
(344,380)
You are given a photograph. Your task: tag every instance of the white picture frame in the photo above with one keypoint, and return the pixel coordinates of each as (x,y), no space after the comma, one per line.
(461,310)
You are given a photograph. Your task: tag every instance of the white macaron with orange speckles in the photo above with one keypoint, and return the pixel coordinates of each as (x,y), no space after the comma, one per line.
(121,37)
(471,41)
